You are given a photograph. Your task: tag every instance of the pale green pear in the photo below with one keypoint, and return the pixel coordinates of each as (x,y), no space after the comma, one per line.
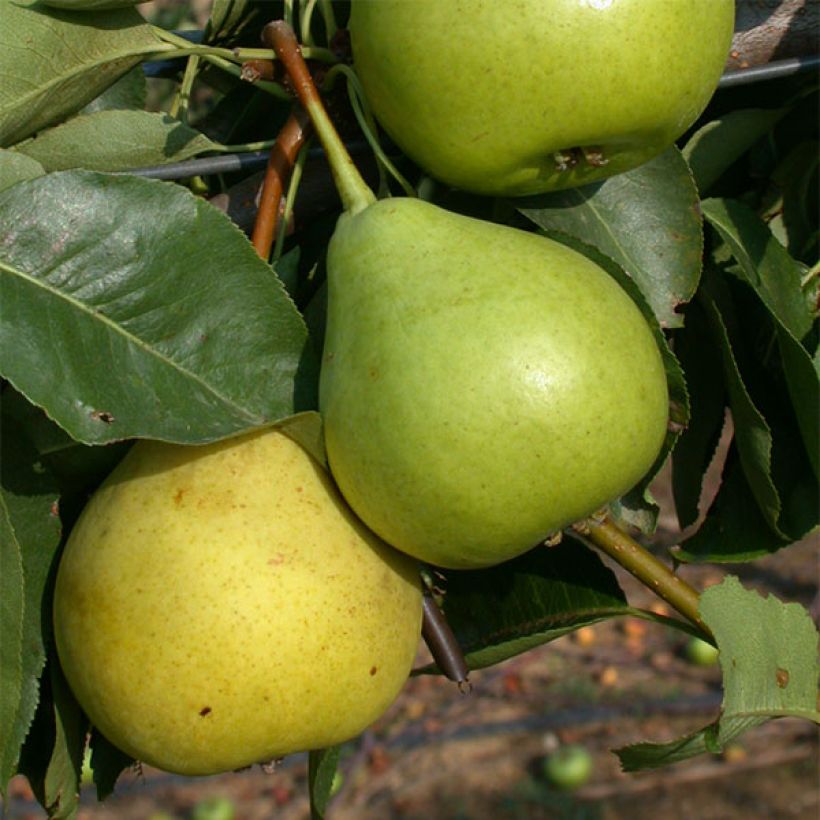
(219,606)
(537,95)
(481,386)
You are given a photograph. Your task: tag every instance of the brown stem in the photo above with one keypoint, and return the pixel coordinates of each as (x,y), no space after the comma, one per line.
(442,642)
(282,156)
(654,574)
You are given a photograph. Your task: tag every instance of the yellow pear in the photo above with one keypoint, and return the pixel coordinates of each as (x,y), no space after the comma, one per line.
(219,606)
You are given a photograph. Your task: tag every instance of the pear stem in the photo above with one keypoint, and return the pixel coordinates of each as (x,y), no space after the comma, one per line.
(635,559)
(353,190)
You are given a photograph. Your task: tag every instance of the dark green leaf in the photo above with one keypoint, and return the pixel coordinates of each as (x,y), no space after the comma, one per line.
(544,594)
(107,763)
(16,168)
(225,17)
(792,210)
(764,262)
(121,327)
(720,143)
(695,448)
(647,220)
(53,62)
(92,5)
(127,93)
(321,770)
(306,430)
(115,141)
(768,654)
(77,468)
(752,432)
(30,530)
(734,529)
(53,755)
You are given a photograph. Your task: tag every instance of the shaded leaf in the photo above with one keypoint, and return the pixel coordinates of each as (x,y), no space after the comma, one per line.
(792,212)
(115,141)
(768,654)
(107,763)
(503,611)
(53,62)
(719,144)
(127,93)
(763,262)
(696,445)
(224,19)
(16,168)
(321,770)
(752,432)
(120,327)
(735,529)
(306,430)
(29,537)
(53,755)
(91,5)
(647,220)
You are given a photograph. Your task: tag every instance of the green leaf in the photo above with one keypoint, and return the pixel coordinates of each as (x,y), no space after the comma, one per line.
(306,430)
(768,654)
(792,210)
(121,326)
(719,144)
(54,62)
(92,5)
(735,528)
(16,168)
(107,763)
(128,93)
(226,15)
(77,468)
(752,432)
(547,592)
(321,770)
(115,141)
(29,537)
(695,448)
(53,755)
(764,263)
(647,220)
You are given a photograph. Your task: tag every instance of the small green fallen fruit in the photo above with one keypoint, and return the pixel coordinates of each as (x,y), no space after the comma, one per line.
(569,767)
(519,98)
(220,606)
(481,386)
(701,653)
(214,808)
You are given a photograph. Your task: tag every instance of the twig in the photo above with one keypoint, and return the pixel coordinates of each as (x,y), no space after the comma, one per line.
(282,157)
(638,561)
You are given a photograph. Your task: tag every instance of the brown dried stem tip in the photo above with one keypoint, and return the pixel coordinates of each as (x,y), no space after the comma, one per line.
(442,643)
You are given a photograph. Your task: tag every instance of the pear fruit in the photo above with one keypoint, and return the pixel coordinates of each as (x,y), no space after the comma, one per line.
(521,98)
(481,386)
(219,606)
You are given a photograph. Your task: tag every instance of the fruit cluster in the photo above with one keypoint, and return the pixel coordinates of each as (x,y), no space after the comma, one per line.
(481,388)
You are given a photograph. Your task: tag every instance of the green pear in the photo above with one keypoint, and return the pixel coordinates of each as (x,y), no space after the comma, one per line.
(481,386)
(520,98)
(219,606)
